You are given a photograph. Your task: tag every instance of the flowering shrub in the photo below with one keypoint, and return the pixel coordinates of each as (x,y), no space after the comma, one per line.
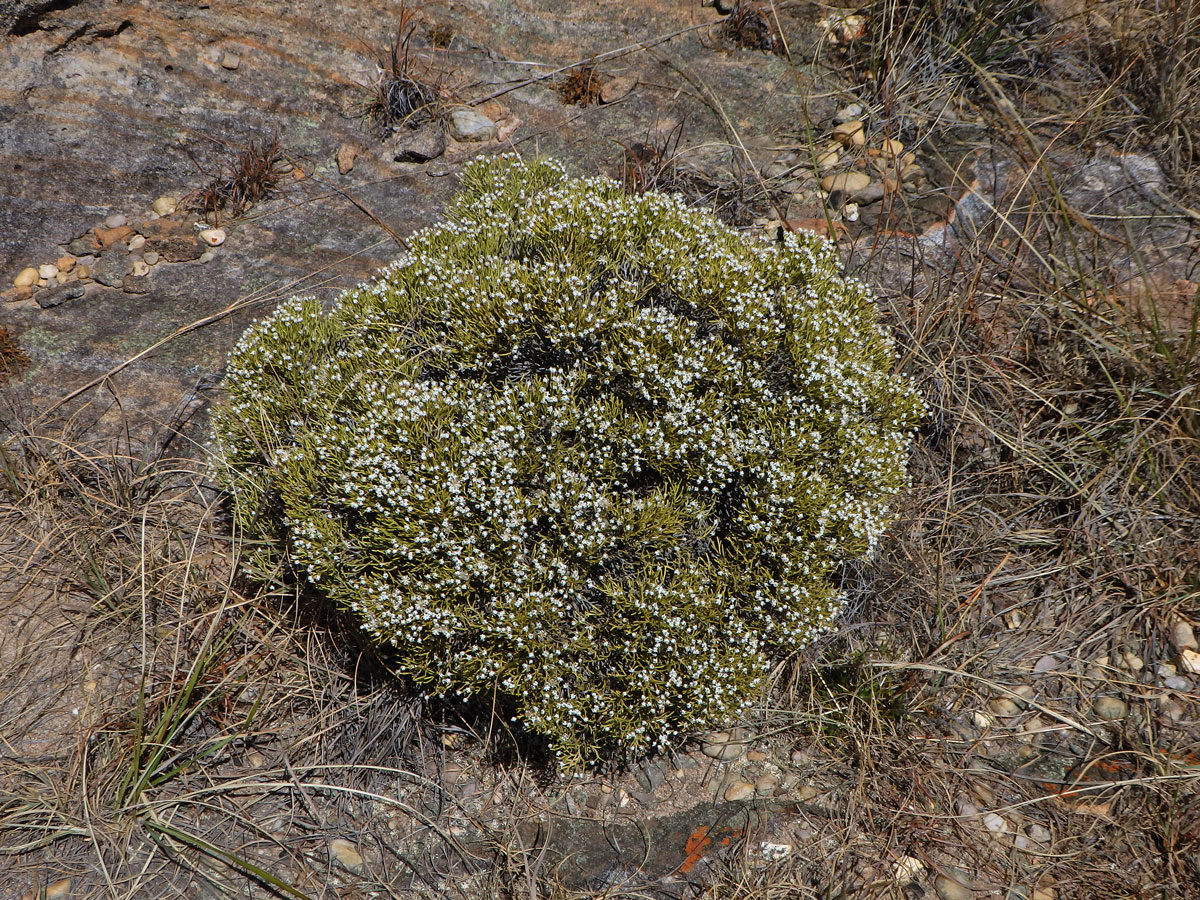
(594,452)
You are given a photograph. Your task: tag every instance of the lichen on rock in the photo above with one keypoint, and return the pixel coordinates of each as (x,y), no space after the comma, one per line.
(590,451)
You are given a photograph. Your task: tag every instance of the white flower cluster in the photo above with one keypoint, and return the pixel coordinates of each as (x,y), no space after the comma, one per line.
(593,451)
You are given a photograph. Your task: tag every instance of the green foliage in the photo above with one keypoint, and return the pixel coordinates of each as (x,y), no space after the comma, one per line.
(596,453)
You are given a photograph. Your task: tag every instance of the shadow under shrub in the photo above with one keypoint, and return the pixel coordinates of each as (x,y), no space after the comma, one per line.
(593,453)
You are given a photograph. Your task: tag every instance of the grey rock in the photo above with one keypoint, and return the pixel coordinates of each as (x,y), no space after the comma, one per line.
(111,268)
(470,125)
(650,776)
(136,284)
(957,887)
(56,296)
(419,145)
(24,16)
(83,246)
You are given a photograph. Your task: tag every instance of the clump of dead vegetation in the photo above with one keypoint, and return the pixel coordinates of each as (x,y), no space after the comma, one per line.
(249,176)
(13,360)
(401,95)
(752,24)
(581,86)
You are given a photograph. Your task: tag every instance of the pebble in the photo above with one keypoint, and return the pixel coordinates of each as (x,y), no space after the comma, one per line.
(47,271)
(956,888)
(739,790)
(27,277)
(83,246)
(137,242)
(346,854)
(83,273)
(850,212)
(135,284)
(650,776)
(1172,709)
(1044,893)
(766,785)
(106,237)
(470,125)
(907,868)
(982,720)
(65,263)
(346,154)
(850,133)
(1039,833)
(13,294)
(1165,670)
(851,112)
(214,237)
(1183,636)
(994,823)
(206,256)
(58,295)
(1111,708)
(164,205)
(1178,683)
(891,148)
(230,60)
(116,220)
(848,182)
(1004,707)
(140,267)
(111,269)
(57,890)
(150,257)
(1189,661)
(828,160)
(1047,663)
(419,145)
(618,88)
(720,745)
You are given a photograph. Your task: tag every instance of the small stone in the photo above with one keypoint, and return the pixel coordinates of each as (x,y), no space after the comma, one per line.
(912,173)
(851,112)
(907,868)
(1111,708)
(1003,707)
(137,242)
(850,133)
(1165,670)
(214,237)
(1171,709)
(150,258)
(956,888)
(739,790)
(1183,636)
(1189,661)
(346,855)
(206,256)
(140,267)
(1039,833)
(850,212)
(1044,893)
(847,182)
(757,756)
(419,145)
(1179,683)
(1047,663)
(47,271)
(346,154)
(58,890)
(83,246)
(13,294)
(56,296)
(982,720)
(83,273)
(27,277)
(175,248)
(111,269)
(230,60)
(471,125)
(650,776)
(720,745)
(994,823)
(109,236)
(65,263)
(135,284)
(1132,661)
(891,148)
(766,785)
(617,88)
(116,220)
(828,160)
(164,205)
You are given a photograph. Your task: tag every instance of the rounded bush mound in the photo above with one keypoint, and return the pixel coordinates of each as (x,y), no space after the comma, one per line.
(594,453)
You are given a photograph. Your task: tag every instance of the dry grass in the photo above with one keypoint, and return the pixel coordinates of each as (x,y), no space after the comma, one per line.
(249,176)
(170,729)
(402,96)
